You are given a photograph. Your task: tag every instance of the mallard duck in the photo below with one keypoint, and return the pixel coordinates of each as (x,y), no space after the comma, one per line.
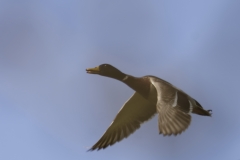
(152,95)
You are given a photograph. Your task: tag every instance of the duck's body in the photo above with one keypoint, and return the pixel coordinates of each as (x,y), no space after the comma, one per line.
(153,95)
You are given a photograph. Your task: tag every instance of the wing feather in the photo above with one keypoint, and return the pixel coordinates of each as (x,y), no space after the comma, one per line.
(134,112)
(173,108)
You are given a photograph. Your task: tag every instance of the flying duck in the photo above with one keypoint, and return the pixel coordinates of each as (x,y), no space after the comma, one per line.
(152,95)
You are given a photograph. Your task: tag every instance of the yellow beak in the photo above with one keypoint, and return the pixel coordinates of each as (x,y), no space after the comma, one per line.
(95,70)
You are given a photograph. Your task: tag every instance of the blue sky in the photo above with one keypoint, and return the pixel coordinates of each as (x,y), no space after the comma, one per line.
(51,109)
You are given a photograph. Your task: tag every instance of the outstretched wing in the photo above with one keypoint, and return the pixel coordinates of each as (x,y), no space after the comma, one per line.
(134,112)
(173,107)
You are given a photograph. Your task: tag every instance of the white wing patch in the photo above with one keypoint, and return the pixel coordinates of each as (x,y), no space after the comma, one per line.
(175,100)
(158,88)
(191,107)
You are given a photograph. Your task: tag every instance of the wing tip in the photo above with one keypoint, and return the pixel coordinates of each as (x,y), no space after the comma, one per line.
(96,148)
(92,149)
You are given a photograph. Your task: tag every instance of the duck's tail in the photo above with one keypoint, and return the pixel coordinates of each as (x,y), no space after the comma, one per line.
(201,111)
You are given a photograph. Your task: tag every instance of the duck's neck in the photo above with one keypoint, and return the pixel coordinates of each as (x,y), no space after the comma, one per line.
(118,75)
(140,85)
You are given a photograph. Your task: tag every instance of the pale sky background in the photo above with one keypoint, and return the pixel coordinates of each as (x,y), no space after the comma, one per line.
(50,109)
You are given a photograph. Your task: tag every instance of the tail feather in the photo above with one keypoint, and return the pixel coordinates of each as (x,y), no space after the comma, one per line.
(201,111)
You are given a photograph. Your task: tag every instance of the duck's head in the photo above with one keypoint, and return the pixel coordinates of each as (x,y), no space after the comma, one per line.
(107,70)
